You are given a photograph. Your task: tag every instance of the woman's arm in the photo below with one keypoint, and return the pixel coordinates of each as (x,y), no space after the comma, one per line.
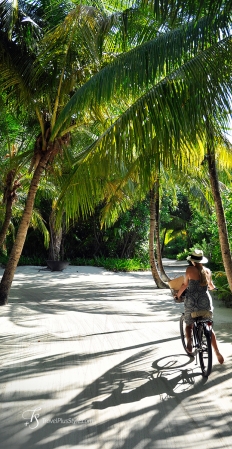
(183,286)
(211,285)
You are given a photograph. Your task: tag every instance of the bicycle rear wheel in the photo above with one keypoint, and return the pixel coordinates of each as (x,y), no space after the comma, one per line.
(182,333)
(205,351)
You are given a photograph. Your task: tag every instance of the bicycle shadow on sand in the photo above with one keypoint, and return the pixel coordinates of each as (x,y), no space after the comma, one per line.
(166,380)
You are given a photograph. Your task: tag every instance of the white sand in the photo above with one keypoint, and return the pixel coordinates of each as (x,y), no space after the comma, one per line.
(93,359)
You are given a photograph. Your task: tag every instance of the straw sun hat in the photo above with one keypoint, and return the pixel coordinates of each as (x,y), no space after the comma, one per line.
(197,256)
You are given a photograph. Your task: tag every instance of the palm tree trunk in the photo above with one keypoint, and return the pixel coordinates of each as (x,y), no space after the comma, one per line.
(55,238)
(12,263)
(155,274)
(222,228)
(7,220)
(11,185)
(163,275)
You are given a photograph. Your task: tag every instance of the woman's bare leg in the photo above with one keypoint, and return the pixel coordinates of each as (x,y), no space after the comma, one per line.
(215,347)
(189,337)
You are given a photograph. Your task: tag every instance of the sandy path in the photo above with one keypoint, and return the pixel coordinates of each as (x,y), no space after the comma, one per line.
(93,359)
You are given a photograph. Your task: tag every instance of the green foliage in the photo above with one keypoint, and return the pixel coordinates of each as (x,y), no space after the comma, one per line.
(3,258)
(175,216)
(203,245)
(112,264)
(213,228)
(34,260)
(24,260)
(223,293)
(202,231)
(160,92)
(174,248)
(127,238)
(198,228)
(183,255)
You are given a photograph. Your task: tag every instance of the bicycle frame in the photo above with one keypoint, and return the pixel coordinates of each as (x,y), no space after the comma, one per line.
(202,332)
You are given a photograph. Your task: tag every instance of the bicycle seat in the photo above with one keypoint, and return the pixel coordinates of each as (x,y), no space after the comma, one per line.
(202,314)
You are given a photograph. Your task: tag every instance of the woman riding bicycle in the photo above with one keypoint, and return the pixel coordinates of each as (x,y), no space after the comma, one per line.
(197,283)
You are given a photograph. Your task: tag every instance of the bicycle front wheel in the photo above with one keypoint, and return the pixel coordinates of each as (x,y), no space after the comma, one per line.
(205,351)
(182,333)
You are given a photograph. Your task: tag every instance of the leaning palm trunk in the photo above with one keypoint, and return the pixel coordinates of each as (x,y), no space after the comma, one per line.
(8,275)
(163,275)
(155,274)
(6,223)
(222,228)
(10,196)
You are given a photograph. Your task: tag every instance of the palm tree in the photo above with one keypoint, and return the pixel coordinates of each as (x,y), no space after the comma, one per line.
(12,183)
(164,87)
(115,133)
(211,9)
(155,198)
(16,134)
(154,223)
(59,75)
(221,220)
(43,81)
(177,124)
(141,109)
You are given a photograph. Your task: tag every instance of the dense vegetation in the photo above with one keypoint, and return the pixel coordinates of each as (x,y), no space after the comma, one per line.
(113,130)
(183,226)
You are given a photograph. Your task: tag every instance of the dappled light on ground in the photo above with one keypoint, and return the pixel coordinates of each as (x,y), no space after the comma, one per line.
(94,359)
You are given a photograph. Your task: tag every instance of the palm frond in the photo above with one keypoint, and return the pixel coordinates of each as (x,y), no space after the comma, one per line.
(182,149)
(172,112)
(8,15)
(174,10)
(223,149)
(37,222)
(139,68)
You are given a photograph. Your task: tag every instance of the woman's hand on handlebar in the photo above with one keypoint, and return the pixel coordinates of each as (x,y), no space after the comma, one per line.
(176,298)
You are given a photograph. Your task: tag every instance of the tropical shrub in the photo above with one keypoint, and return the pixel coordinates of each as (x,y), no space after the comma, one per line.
(126,239)
(222,285)
(203,246)
(113,264)
(213,228)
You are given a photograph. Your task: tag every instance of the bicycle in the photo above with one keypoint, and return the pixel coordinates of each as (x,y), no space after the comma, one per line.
(202,333)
